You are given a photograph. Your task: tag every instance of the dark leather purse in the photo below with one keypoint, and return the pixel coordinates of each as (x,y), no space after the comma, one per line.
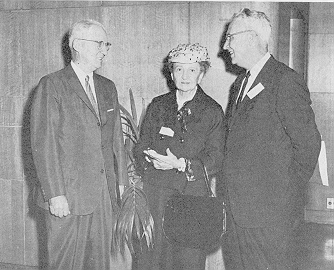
(195,221)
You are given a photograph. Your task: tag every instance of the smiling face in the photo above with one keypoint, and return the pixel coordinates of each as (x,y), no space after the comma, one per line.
(187,76)
(238,43)
(90,56)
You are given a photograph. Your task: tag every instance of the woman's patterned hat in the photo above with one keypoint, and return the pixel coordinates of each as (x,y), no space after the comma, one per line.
(188,53)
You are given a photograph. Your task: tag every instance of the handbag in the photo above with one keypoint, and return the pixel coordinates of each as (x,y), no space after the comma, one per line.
(195,221)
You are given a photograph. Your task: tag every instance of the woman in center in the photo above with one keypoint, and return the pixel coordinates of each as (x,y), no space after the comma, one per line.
(181,129)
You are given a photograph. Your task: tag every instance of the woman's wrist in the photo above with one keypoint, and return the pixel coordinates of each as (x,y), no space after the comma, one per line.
(181,165)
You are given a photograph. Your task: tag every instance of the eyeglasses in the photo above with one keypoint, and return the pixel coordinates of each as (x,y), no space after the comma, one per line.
(229,36)
(100,44)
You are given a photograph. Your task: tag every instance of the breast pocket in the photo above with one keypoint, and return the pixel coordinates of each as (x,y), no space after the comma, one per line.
(261,108)
(110,115)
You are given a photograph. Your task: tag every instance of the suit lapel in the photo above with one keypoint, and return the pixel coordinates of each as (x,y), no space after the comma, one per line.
(233,112)
(75,84)
(264,77)
(266,73)
(99,89)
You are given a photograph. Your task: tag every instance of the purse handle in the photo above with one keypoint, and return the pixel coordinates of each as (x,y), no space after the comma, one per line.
(206,179)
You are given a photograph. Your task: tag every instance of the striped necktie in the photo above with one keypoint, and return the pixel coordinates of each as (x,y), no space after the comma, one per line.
(91,97)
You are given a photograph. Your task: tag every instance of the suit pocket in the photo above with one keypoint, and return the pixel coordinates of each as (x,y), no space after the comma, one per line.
(262,109)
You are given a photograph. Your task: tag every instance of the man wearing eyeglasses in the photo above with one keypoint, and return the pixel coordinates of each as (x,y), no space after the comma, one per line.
(271,149)
(76,142)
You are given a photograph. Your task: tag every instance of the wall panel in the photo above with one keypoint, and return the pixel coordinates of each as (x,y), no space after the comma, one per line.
(46,4)
(12,221)
(321,18)
(320,64)
(320,81)
(323,106)
(141,37)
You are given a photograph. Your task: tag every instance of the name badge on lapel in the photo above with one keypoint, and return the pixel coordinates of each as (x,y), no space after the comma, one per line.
(166,131)
(255,91)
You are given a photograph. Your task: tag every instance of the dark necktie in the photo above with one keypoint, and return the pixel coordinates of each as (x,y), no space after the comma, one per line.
(90,95)
(243,88)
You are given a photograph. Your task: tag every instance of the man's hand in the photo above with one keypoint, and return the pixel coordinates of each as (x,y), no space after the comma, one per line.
(59,206)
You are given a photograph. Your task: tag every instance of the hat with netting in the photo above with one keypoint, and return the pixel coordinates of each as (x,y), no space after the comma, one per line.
(188,53)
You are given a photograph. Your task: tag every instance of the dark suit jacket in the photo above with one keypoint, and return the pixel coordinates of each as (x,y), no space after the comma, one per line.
(202,141)
(271,149)
(74,153)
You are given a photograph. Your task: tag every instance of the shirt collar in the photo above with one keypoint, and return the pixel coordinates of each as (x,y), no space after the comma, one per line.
(80,73)
(255,70)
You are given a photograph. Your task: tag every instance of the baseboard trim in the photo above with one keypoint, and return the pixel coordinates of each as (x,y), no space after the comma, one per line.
(10,266)
(318,216)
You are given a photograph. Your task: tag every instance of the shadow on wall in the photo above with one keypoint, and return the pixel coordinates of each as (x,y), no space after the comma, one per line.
(65,48)
(229,68)
(225,56)
(167,74)
(31,180)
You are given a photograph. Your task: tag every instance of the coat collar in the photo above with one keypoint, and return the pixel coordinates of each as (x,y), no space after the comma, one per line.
(168,107)
(265,77)
(76,86)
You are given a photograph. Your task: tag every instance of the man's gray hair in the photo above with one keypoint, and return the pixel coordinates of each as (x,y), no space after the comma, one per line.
(79,29)
(256,21)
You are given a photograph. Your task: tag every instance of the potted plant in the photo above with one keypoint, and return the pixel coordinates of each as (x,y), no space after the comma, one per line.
(134,225)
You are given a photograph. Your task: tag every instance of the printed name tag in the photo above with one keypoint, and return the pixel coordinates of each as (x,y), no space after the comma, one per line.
(166,131)
(255,91)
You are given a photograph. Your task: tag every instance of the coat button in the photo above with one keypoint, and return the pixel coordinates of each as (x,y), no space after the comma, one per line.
(181,140)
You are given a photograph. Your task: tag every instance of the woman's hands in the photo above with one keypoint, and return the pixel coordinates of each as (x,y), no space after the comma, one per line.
(168,162)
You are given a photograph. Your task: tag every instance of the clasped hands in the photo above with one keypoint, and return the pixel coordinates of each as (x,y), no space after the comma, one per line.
(165,162)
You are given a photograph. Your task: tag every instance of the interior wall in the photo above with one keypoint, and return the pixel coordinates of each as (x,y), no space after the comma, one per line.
(320,81)
(320,74)
(32,34)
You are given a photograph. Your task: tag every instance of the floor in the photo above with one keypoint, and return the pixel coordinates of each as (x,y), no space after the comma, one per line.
(316,242)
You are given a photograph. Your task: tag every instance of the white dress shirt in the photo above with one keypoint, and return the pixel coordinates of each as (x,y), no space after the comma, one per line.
(82,76)
(254,72)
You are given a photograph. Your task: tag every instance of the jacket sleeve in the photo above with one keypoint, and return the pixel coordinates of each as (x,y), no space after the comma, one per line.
(297,118)
(212,153)
(118,146)
(44,139)
(145,140)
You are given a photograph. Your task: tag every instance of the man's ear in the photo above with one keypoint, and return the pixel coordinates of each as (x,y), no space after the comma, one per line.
(252,37)
(76,45)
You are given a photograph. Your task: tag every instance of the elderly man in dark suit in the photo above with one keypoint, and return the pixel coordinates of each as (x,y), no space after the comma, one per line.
(76,142)
(272,146)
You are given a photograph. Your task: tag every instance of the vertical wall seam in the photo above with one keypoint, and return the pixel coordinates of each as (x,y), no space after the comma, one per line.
(189,18)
